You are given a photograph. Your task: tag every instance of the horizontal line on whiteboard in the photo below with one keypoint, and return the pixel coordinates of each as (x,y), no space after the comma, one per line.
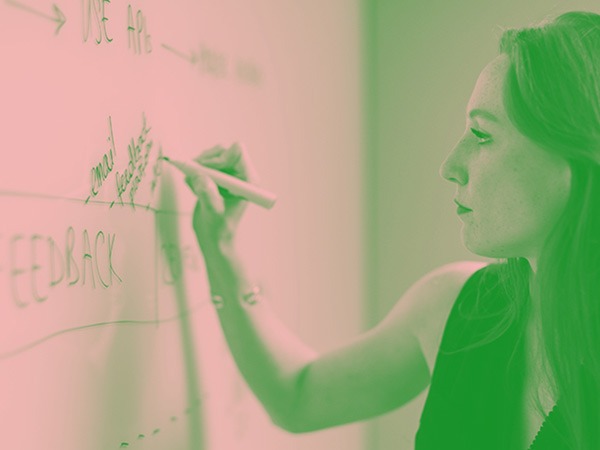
(78,200)
(29,346)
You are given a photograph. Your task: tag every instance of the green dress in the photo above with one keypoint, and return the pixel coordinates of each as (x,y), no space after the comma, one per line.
(475,395)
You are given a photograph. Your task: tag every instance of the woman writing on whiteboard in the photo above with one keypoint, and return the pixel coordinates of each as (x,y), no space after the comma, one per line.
(509,350)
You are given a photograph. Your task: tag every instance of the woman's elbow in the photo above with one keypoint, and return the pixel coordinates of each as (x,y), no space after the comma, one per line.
(296,425)
(288,423)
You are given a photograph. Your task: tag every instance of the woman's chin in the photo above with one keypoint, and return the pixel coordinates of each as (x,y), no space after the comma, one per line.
(484,249)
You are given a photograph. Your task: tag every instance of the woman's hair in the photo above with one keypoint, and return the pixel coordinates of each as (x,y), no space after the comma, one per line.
(552,96)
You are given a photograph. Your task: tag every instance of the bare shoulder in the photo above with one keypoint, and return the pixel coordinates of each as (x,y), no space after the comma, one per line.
(425,306)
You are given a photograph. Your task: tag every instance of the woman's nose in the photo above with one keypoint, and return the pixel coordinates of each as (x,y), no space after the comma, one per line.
(452,170)
(443,171)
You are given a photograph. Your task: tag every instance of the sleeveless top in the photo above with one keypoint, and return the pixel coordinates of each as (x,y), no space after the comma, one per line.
(475,395)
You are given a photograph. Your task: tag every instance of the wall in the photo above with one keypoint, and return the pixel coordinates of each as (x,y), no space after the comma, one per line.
(422,60)
(107,336)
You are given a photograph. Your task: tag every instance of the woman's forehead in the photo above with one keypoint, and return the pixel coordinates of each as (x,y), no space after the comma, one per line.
(487,93)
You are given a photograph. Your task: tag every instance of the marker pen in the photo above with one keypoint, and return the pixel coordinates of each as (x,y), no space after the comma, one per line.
(238,187)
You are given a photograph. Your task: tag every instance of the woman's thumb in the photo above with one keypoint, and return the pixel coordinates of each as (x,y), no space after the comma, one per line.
(207,192)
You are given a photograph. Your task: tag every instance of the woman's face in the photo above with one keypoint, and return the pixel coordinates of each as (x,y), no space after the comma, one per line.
(515,189)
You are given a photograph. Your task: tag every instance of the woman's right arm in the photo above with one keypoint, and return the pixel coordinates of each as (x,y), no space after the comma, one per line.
(303,391)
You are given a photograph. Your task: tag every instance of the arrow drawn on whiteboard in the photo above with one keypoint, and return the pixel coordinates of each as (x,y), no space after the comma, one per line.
(192,58)
(57,16)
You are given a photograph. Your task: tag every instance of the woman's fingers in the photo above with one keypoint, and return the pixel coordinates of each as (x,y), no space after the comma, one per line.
(207,192)
(233,160)
(220,158)
(249,170)
(210,153)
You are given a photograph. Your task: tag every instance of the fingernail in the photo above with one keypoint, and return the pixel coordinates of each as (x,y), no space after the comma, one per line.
(196,184)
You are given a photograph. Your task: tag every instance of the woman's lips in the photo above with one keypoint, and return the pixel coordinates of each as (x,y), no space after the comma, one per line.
(461,209)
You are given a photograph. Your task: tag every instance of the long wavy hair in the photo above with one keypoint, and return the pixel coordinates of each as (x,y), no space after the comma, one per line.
(552,95)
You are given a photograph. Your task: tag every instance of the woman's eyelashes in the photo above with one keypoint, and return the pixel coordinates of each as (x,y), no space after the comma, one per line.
(483,138)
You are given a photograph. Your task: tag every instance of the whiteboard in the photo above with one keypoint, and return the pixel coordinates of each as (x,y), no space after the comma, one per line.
(107,336)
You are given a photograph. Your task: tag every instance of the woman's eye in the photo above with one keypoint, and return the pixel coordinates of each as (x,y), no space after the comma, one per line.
(483,137)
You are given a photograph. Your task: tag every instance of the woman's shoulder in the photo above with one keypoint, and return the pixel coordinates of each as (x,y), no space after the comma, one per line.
(435,295)
(436,291)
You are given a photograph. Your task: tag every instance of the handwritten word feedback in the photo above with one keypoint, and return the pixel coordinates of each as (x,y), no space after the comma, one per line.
(38,263)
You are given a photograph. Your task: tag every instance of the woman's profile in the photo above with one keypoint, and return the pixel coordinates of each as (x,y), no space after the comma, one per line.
(509,350)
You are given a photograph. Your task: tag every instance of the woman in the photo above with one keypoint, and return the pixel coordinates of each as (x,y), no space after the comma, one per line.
(515,343)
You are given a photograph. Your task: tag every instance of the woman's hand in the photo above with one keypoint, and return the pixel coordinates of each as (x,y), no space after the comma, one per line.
(218,212)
